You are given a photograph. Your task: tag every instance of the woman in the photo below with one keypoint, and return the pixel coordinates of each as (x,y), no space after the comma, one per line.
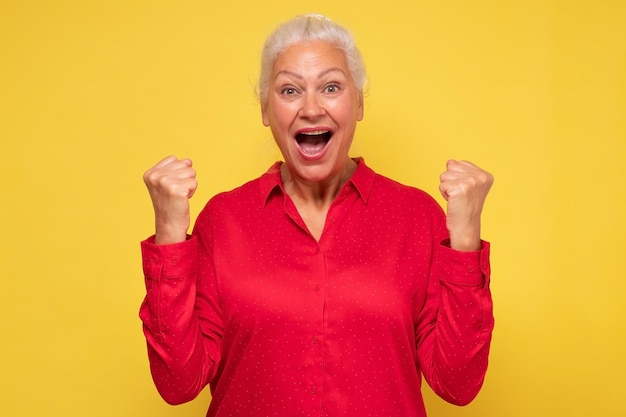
(320,288)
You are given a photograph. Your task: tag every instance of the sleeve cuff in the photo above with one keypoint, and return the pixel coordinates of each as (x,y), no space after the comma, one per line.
(169,261)
(465,268)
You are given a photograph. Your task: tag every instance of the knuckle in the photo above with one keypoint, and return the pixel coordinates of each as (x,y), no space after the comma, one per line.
(484,178)
(150,177)
(165,183)
(470,182)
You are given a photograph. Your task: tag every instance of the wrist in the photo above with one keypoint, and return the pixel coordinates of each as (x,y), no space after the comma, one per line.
(165,235)
(466,241)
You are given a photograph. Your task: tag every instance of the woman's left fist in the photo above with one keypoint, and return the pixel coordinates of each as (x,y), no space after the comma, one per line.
(465,187)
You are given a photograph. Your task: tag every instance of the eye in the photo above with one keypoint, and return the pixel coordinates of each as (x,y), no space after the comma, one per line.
(288,91)
(331,88)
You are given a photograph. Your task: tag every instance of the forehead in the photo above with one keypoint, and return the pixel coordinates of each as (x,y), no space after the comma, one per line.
(312,56)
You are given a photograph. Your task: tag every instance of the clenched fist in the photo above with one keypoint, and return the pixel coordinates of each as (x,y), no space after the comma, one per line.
(465,187)
(171,183)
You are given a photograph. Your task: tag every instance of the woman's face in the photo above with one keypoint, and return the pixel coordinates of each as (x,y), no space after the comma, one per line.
(312,109)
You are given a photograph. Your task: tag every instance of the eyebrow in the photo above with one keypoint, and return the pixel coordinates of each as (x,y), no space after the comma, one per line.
(320,75)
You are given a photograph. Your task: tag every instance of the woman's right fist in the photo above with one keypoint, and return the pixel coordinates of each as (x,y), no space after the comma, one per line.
(171,183)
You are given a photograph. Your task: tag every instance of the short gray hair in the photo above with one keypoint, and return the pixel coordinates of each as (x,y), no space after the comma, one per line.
(309,28)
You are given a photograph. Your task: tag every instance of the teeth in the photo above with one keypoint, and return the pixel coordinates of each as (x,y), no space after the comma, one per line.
(314,133)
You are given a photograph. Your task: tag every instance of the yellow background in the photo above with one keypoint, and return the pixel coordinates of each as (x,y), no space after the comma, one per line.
(93,93)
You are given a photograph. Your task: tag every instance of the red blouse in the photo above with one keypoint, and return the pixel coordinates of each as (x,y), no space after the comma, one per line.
(280,324)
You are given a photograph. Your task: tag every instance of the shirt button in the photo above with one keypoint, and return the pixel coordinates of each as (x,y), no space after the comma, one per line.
(315,340)
(318,287)
(470,269)
(174,260)
(155,259)
(313,391)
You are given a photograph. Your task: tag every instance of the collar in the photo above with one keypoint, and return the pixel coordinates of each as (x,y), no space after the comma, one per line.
(362,180)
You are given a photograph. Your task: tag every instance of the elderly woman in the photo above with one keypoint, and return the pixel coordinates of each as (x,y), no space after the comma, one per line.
(320,288)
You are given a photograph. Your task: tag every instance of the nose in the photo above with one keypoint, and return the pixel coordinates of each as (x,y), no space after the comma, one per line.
(312,106)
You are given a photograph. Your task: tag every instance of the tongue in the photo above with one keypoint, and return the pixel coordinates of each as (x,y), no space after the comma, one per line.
(312,145)
(311,148)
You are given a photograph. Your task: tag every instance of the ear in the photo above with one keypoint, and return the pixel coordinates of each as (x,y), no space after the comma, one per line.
(265,116)
(360,110)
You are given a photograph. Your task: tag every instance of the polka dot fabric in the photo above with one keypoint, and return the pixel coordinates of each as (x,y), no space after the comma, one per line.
(280,324)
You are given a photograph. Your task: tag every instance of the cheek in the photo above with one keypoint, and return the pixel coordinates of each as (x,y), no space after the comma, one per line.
(281,115)
(348,110)
(279,123)
(347,116)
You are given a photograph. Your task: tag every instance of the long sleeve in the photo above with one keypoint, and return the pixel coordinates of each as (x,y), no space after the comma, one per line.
(181,318)
(456,323)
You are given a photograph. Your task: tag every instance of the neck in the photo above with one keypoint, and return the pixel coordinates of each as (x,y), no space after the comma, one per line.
(316,193)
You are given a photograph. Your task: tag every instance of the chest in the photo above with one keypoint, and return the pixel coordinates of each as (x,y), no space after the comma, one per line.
(365,268)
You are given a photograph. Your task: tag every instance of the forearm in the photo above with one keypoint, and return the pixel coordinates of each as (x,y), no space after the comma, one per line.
(182,358)
(179,362)
(454,345)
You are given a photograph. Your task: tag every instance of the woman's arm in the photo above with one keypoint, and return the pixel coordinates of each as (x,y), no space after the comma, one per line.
(456,323)
(181,316)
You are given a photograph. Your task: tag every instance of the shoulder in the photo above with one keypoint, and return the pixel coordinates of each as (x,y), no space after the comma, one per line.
(246,199)
(395,204)
(244,196)
(388,191)
(378,188)
(226,206)
(253,193)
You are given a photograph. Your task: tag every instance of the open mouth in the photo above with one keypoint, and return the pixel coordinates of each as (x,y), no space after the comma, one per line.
(313,142)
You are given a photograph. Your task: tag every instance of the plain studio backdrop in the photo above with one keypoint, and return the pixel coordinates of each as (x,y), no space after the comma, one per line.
(93,93)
